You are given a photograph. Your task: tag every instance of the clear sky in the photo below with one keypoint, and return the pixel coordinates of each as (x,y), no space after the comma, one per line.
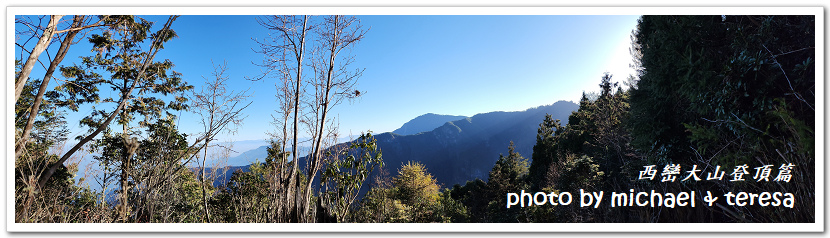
(456,65)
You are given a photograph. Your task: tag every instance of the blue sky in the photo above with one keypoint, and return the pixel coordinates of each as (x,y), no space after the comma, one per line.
(457,65)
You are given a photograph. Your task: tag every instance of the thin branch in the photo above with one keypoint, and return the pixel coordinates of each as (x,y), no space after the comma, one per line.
(796,94)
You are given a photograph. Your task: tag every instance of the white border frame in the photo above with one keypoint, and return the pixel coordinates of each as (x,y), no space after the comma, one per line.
(818,226)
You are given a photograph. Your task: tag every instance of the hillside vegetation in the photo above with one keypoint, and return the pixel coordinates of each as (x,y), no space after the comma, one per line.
(721,105)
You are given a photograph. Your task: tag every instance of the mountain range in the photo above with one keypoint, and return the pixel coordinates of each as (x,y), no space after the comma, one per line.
(466,149)
(460,149)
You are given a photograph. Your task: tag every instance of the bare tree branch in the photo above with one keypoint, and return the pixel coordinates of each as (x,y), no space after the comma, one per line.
(45,38)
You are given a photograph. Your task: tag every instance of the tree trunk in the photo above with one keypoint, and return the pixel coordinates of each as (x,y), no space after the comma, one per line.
(41,45)
(124,187)
(317,153)
(65,44)
(204,193)
(292,181)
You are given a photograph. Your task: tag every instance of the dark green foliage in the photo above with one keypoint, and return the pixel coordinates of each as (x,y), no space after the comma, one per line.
(729,90)
(49,128)
(115,67)
(575,172)
(727,71)
(274,155)
(164,139)
(507,176)
(545,152)
(509,172)
(472,195)
(485,201)
(452,210)
(245,197)
(592,153)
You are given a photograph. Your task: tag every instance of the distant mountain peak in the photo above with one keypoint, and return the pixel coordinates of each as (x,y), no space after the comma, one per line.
(465,149)
(425,123)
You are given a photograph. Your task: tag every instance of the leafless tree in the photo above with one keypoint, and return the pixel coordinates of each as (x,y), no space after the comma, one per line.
(284,53)
(333,83)
(277,179)
(220,111)
(309,99)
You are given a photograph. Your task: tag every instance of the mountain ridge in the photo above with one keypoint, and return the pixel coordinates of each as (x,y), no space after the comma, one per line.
(465,149)
(424,123)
